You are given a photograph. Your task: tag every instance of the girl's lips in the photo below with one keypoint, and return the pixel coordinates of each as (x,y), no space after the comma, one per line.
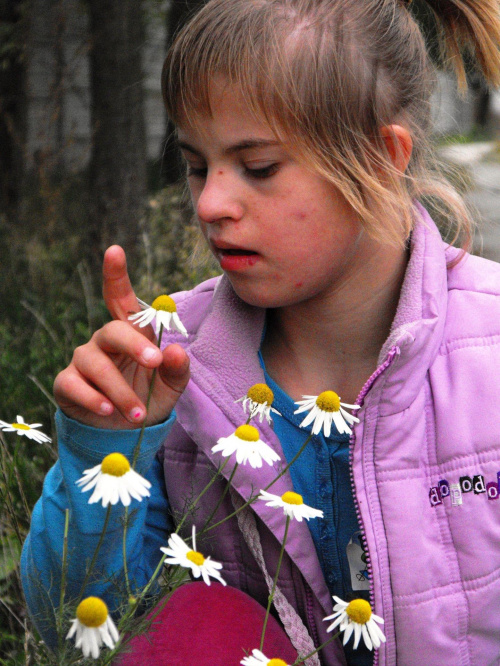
(234,260)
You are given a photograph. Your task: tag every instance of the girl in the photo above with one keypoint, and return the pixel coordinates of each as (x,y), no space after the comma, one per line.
(303,124)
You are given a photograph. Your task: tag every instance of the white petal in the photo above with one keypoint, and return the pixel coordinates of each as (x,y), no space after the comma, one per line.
(123,494)
(95,642)
(335,623)
(344,404)
(339,602)
(376,633)
(112,629)
(366,637)
(340,423)
(178,324)
(309,418)
(71,632)
(347,633)
(327,420)
(349,417)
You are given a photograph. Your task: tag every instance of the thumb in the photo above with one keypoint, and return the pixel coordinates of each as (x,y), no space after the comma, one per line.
(174,371)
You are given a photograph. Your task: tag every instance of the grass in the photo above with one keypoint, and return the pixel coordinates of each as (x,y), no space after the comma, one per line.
(51,303)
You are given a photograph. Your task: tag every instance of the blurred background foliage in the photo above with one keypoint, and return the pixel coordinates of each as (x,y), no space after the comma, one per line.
(86,159)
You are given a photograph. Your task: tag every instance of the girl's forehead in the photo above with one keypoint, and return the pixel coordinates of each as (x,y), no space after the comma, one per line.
(228,116)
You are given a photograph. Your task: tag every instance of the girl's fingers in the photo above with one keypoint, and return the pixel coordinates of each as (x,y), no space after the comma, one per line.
(116,337)
(71,389)
(174,371)
(99,371)
(119,296)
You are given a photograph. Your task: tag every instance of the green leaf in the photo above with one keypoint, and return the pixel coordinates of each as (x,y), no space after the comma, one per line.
(10,554)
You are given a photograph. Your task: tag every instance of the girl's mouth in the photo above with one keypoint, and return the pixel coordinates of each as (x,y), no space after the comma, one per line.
(235,260)
(237,252)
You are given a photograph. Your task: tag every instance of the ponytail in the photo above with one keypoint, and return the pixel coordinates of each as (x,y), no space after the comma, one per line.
(473,25)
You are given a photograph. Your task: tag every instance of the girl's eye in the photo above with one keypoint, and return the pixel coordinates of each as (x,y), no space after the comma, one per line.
(264,172)
(197,172)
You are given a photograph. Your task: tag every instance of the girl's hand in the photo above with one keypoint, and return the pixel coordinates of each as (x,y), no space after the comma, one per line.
(107,382)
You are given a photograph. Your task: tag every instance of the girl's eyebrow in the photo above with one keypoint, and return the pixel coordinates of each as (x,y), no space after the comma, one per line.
(246,144)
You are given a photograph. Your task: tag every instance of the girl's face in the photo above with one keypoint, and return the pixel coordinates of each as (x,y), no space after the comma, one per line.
(281,233)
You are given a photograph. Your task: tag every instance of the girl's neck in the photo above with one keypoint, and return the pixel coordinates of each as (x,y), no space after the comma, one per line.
(333,342)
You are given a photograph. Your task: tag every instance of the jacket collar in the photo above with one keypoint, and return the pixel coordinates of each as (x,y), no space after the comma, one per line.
(417,331)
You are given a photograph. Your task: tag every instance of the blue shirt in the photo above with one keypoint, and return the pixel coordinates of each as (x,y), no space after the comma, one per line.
(321,475)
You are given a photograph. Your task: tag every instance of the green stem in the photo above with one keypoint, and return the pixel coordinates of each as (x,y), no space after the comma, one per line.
(142,625)
(96,552)
(137,449)
(195,502)
(221,499)
(273,590)
(64,570)
(124,551)
(287,467)
(301,660)
(256,497)
(135,456)
(142,594)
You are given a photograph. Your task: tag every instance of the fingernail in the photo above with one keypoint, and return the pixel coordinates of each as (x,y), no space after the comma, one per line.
(149,353)
(106,408)
(136,413)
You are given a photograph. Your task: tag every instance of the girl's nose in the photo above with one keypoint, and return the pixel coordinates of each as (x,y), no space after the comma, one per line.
(219,199)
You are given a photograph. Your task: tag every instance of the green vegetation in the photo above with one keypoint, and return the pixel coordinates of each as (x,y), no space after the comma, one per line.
(50,303)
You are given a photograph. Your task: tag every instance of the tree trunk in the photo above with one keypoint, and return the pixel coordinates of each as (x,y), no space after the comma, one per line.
(118,160)
(172,171)
(12,106)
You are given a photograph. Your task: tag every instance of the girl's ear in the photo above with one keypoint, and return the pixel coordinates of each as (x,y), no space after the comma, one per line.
(399,145)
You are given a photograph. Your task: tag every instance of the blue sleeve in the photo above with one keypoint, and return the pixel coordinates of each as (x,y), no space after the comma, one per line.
(82,447)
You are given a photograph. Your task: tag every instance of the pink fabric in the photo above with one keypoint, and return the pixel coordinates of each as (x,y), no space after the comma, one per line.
(425,460)
(207,626)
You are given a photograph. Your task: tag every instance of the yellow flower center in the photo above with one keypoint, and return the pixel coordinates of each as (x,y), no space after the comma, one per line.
(115,464)
(276,662)
(247,433)
(328,401)
(260,393)
(92,612)
(359,611)
(164,303)
(292,498)
(20,426)
(195,557)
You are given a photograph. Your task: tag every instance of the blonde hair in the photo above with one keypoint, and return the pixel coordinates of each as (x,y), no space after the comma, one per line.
(326,75)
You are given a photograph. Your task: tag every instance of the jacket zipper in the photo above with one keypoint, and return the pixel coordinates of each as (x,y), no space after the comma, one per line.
(368,384)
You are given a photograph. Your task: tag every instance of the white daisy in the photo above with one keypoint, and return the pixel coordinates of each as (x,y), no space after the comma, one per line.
(357,617)
(164,311)
(114,480)
(259,659)
(292,505)
(178,552)
(93,627)
(246,442)
(26,429)
(325,408)
(258,400)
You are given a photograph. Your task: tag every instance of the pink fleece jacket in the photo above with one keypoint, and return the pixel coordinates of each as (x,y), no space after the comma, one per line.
(425,463)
